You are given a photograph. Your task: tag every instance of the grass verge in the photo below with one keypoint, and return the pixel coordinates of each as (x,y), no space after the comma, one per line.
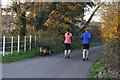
(20,56)
(96,44)
(95,70)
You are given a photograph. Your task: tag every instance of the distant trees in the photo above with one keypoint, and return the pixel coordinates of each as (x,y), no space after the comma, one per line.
(55,16)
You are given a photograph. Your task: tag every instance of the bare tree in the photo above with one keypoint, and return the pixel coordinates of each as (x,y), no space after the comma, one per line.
(99,4)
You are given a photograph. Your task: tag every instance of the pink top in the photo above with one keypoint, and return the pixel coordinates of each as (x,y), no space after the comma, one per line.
(68,38)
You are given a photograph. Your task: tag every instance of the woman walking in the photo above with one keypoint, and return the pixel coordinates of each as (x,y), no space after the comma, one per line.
(68,41)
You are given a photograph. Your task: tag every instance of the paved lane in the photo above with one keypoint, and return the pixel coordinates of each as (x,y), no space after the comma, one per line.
(54,66)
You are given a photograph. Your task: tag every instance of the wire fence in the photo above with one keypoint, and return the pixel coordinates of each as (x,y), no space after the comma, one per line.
(16,44)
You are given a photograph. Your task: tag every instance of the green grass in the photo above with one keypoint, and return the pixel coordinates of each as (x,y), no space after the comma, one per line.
(20,56)
(95,70)
(0,58)
(35,52)
(57,48)
(77,45)
(96,44)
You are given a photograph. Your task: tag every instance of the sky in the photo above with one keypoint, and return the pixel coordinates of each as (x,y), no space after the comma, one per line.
(96,17)
(5,2)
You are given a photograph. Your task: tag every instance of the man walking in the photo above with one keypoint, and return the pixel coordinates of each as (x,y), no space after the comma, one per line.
(86,37)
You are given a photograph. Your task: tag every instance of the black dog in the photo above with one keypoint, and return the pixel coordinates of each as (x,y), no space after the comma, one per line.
(45,50)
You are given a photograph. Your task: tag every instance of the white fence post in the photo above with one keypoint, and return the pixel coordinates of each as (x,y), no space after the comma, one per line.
(35,41)
(4,45)
(18,44)
(24,43)
(11,44)
(30,42)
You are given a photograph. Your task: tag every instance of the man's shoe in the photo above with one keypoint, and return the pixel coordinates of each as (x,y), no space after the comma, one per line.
(83,59)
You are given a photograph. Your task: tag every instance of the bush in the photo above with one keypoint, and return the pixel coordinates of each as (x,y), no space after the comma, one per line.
(110,58)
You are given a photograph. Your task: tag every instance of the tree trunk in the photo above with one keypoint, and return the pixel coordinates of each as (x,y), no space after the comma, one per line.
(88,22)
(23,23)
